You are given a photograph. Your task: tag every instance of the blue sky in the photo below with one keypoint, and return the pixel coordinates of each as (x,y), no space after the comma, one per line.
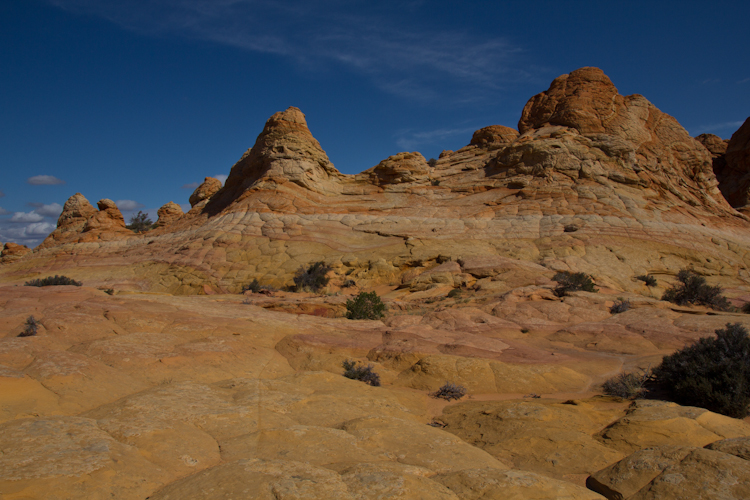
(139,100)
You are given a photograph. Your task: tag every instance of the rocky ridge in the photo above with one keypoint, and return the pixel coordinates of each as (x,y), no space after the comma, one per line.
(593,181)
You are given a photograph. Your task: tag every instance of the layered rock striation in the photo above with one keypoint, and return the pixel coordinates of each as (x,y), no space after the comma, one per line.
(592,181)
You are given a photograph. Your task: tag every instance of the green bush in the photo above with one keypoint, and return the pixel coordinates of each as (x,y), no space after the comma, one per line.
(456,292)
(627,385)
(313,278)
(449,391)
(713,373)
(572,282)
(52,281)
(361,373)
(140,223)
(365,306)
(692,289)
(31,327)
(647,279)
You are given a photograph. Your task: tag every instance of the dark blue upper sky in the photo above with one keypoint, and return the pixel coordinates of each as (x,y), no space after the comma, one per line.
(139,100)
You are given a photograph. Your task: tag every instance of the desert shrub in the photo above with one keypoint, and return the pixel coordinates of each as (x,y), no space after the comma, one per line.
(52,281)
(361,373)
(140,223)
(620,306)
(449,391)
(713,373)
(647,279)
(692,289)
(349,283)
(627,385)
(432,162)
(313,278)
(254,287)
(746,308)
(456,292)
(571,282)
(31,327)
(109,291)
(365,306)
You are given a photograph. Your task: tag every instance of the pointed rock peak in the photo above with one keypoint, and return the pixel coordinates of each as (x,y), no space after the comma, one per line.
(285,150)
(206,190)
(584,100)
(75,213)
(494,134)
(289,115)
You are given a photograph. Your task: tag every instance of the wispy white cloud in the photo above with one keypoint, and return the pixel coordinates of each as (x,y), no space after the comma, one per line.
(2,194)
(719,127)
(26,217)
(30,234)
(128,205)
(51,210)
(371,39)
(3,211)
(746,80)
(409,140)
(222,178)
(44,180)
(191,186)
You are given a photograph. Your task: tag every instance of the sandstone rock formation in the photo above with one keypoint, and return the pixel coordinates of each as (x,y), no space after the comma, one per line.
(737,177)
(399,169)
(285,150)
(494,136)
(76,212)
(596,182)
(159,395)
(108,219)
(151,395)
(168,213)
(209,187)
(13,251)
(674,472)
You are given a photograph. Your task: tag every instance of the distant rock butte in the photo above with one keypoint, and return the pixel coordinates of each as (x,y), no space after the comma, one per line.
(593,181)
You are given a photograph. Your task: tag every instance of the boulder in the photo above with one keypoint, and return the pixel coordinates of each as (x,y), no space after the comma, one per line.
(209,187)
(169,213)
(494,135)
(13,251)
(674,472)
(400,169)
